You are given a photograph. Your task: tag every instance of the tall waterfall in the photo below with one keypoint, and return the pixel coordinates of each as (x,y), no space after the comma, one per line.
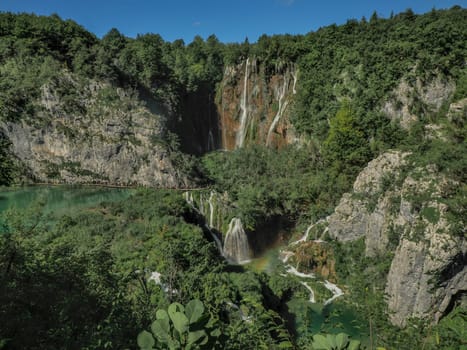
(295,77)
(236,248)
(280,110)
(211,145)
(240,137)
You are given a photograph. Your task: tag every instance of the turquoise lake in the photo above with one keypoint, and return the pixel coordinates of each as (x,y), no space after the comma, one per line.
(59,200)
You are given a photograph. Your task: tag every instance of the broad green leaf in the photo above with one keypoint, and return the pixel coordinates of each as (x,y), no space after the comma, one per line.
(354,345)
(145,340)
(160,314)
(320,342)
(341,340)
(175,307)
(161,329)
(180,322)
(331,338)
(194,310)
(174,344)
(194,337)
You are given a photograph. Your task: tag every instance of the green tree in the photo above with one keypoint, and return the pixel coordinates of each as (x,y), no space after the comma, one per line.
(6,163)
(346,143)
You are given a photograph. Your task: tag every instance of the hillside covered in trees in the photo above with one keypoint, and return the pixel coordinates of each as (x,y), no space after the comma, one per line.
(354,134)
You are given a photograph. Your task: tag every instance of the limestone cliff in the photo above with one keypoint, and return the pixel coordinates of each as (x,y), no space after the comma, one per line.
(411,100)
(254,106)
(90,132)
(399,210)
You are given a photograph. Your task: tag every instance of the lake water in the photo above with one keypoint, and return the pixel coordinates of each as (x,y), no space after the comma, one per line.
(59,200)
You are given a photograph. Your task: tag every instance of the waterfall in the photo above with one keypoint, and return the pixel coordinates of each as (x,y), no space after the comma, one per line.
(236,248)
(335,290)
(211,209)
(285,255)
(240,138)
(295,77)
(211,145)
(312,293)
(307,232)
(189,199)
(280,110)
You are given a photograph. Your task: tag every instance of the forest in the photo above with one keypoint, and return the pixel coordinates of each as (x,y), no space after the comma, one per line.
(144,272)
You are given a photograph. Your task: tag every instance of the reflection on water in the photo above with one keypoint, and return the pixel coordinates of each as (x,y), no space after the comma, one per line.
(59,200)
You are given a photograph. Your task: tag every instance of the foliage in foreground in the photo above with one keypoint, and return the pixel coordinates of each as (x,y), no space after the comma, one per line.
(181,328)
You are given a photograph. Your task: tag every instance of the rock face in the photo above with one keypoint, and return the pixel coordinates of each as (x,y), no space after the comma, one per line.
(411,99)
(254,106)
(107,137)
(365,212)
(411,289)
(404,215)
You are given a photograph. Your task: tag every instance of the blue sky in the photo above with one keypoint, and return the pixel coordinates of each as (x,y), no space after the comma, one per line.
(229,20)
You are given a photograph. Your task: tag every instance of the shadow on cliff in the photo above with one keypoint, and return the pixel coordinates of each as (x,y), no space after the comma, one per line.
(197,121)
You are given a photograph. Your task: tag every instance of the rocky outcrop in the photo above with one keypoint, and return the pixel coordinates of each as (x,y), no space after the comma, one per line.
(403,213)
(107,136)
(365,211)
(412,99)
(414,288)
(254,106)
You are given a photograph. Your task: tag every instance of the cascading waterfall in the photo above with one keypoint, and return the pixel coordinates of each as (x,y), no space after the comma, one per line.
(190,200)
(304,238)
(336,291)
(240,137)
(286,255)
(312,292)
(211,209)
(280,110)
(236,248)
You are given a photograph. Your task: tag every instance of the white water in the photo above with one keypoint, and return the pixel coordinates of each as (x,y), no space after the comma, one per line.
(304,238)
(335,290)
(211,146)
(292,270)
(280,110)
(295,78)
(286,255)
(240,137)
(211,209)
(236,248)
(217,240)
(189,199)
(312,293)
